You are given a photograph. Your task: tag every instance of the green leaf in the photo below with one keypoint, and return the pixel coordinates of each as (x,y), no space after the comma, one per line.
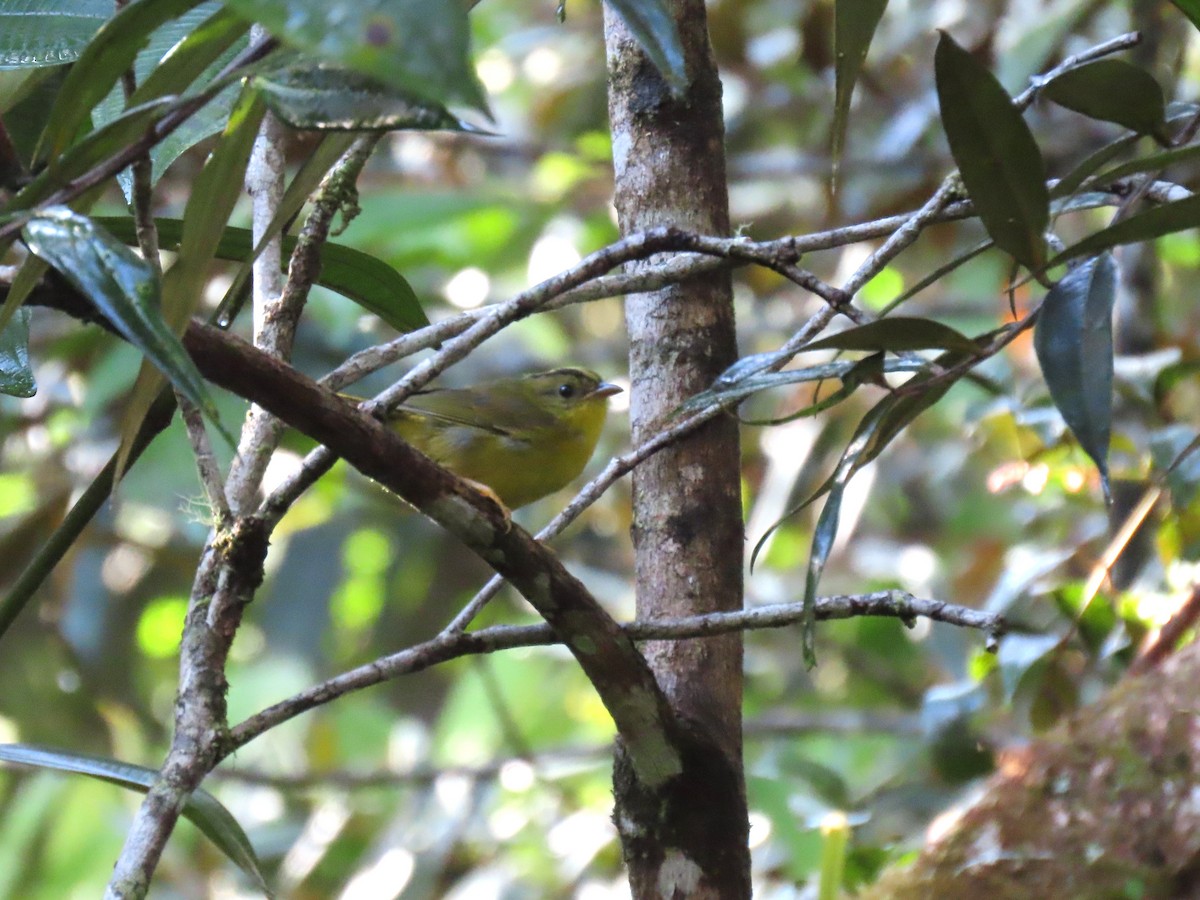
(854,24)
(898,333)
(48,32)
(202,809)
(1190,8)
(214,192)
(996,155)
(1090,164)
(363,278)
(182,57)
(95,147)
(1113,90)
(121,286)
(1153,162)
(651,23)
(317,96)
(421,46)
(882,423)
(1144,226)
(16,378)
(1073,340)
(109,53)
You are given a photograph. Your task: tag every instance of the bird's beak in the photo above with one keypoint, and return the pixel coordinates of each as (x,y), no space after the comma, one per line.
(606,389)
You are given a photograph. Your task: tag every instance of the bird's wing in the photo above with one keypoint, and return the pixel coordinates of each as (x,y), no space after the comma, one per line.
(453,407)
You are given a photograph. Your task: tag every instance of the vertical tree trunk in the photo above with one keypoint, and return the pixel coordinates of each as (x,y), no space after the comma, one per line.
(668,154)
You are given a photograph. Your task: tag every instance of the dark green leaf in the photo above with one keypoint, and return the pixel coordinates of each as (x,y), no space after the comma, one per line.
(1073,340)
(422,46)
(897,334)
(92,149)
(1091,164)
(651,22)
(16,378)
(321,97)
(1144,226)
(199,43)
(366,280)
(121,286)
(1153,163)
(48,32)
(1190,8)
(202,809)
(110,53)
(996,155)
(854,24)
(1113,90)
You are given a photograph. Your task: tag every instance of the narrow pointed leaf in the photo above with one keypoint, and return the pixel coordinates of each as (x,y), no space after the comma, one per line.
(121,286)
(1144,226)
(651,23)
(1073,340)
(880,426)
(825,531)
(109,53)
(368,281)
(203,810)
(16,378)
(50,34)
(996,155)
(321,97)
(214,192)
(1153,162)
(421,46)
(854,24)
(183,57)
(896,334)
(1113,90)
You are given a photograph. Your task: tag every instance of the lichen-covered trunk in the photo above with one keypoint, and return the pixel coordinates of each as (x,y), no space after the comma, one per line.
(690,838)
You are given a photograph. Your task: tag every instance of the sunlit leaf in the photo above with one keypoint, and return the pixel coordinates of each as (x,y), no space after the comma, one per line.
(1113,90)
(651,23)
(898,333)
(854,24)
(202,809)
(16,378)
(123,288)
(1073,340)
(48,32)
(323,97)
(996,155)
(365,279)
(422,46)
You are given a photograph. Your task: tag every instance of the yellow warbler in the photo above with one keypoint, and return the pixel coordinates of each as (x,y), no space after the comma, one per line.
(522,437)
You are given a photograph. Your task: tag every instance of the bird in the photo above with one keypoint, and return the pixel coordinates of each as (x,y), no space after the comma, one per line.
(523,438)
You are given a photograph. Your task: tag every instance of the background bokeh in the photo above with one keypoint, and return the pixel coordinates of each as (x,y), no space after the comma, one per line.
(490,777)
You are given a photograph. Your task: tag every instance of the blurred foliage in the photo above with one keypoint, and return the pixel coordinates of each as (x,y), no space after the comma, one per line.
(490,777)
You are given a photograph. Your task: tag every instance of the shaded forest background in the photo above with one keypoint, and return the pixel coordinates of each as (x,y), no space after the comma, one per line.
(492,776)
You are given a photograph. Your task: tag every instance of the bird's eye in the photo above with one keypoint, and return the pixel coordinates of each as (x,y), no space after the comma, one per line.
(566,391)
